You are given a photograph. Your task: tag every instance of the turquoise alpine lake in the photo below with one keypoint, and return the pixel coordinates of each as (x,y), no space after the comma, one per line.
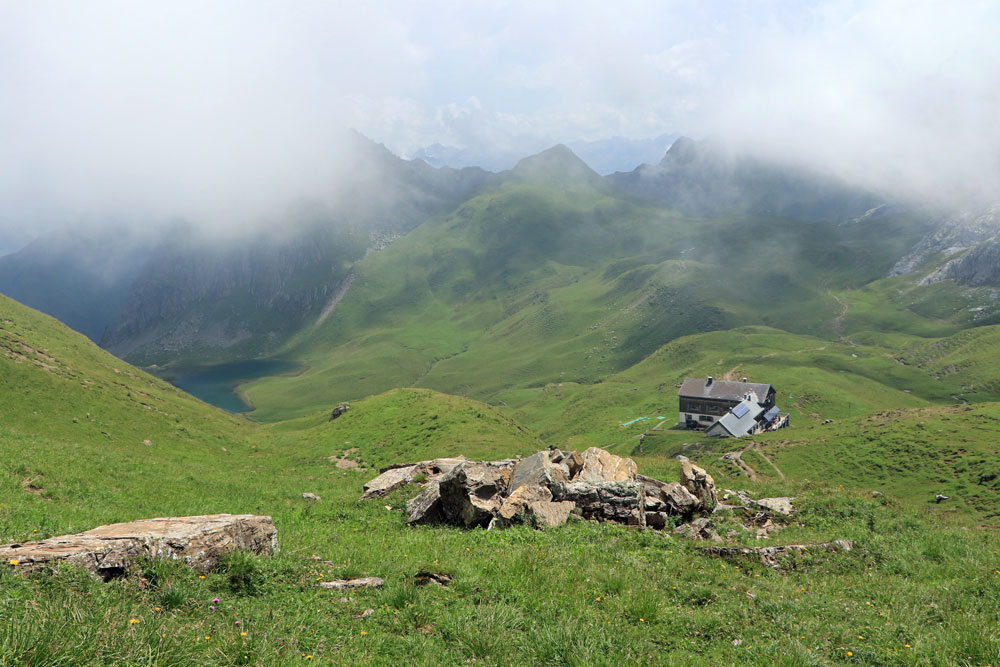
(216,384)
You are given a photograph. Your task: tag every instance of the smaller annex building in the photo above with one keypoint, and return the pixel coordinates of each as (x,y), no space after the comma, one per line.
(728,409)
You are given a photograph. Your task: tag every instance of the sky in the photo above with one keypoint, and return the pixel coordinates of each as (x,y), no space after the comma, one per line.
(222,111)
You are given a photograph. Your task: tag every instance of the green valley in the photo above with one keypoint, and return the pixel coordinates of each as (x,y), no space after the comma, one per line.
(86,439)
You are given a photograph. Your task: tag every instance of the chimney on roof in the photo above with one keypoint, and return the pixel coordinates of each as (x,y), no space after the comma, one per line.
(710,378)
(744,379)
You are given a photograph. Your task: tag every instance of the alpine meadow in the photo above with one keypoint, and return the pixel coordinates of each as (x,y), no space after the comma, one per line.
(500,334)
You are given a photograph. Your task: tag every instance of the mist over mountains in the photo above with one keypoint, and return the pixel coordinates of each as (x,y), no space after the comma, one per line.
(183,294)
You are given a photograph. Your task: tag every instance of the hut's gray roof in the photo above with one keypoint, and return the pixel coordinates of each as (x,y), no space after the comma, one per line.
(739,426)
(721,389)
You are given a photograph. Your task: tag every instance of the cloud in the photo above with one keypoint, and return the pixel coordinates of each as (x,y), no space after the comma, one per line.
(223,111)
(217,111)
(900,96)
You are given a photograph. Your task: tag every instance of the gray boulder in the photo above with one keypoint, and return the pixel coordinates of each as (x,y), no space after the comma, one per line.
(698,529)
(547,514)
(699,483)
(472,493)
(516,504)
(388,481)
(600,465)
(536,470)
(623,502)
(781,506)
(110,551)
(426,507)
(339,410)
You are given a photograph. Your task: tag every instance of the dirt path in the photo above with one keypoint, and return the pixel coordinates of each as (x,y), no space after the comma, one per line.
(737,458)
(767,458)
(730,375)
(335,298)
(837,323)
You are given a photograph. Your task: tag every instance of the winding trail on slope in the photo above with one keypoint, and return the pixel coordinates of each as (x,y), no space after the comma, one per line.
(837,323)
(335,298)
(767,458)
(737,458)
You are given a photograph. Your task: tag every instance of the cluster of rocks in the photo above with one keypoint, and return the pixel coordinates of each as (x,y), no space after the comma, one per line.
(109,551)
(545,489)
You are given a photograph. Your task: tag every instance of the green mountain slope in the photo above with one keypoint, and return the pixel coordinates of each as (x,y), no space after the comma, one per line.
(71,441)
(530,284)
(87,439)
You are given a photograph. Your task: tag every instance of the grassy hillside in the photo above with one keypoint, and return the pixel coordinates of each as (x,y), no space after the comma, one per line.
(72,445)
(529,284)
(816,379)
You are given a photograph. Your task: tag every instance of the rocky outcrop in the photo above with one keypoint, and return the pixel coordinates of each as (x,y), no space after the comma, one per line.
(544,489)
(957,234)
(770,555)
(600,465)
(621,502)
(698,529)
(339,410)
(472,493)
(394,477)
(109,551)
(699,483)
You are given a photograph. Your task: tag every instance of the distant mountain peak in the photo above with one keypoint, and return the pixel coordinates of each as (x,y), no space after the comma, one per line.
(558,163)
(682,151)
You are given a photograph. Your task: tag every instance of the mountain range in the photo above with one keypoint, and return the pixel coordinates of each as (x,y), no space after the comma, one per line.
(481,283)
(493,315)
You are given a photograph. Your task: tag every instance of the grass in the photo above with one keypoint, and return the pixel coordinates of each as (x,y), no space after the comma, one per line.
(74,426)
(529,285)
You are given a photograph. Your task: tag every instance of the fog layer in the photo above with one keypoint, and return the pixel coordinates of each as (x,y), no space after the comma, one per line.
(223,112)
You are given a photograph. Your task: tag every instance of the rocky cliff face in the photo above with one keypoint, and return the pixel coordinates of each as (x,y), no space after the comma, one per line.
(214,299)
(969,244)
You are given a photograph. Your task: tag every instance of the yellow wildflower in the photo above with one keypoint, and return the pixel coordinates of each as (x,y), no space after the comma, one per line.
(13,561)
(133,621)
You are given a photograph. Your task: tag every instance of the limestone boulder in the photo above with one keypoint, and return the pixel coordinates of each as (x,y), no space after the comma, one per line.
(339,410)
(426,506)
(670,498)
(547,514)
(781,506)
(394,477)
(389,481)
(622,502)
(600,465)
(536,470)
(109,551)
(700,484)
(472,493)
(516,504)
